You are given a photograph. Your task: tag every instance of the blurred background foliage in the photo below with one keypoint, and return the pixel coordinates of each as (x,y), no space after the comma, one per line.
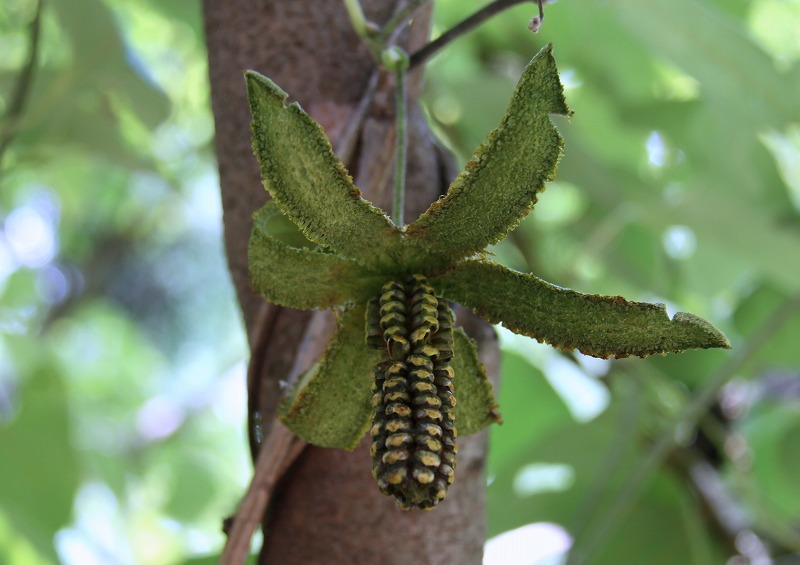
(121,349)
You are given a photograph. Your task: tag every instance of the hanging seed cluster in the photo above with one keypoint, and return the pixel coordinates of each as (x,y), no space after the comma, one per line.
(413,432)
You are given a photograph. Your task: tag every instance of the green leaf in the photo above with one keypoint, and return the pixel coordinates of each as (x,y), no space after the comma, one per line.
(331,405)
(310,184)
(773,435)
(303,278)
(192,489)
(600,326)
(475,405)
(733,63)
(753,312)
(666,520)
(499,185)
(104,63)
(524,385)
(39,473)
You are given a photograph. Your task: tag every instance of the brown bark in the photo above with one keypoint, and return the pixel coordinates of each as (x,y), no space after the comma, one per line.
(329,509)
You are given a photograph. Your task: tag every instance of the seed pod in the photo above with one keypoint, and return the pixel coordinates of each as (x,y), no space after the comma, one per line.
(413,432)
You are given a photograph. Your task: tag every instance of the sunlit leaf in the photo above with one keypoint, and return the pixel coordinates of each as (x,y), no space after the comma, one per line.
(39,474)
(193,488)
(101,53)
(753,312)
(773,435)
(733,62)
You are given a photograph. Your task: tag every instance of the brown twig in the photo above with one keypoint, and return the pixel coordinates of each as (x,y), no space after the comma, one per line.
(277,453)
(264,326)
(467,25)
(346,146)
(272,456)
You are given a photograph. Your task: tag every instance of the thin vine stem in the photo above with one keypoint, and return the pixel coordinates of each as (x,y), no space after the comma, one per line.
(363,28)
(426,52)
(357,19)
(689,416)
(397,60)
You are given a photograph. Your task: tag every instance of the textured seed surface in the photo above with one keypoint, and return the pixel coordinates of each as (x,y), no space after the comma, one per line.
(413,434)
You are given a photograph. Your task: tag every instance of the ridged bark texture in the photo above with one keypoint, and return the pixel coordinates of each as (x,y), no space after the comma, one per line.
(329,509)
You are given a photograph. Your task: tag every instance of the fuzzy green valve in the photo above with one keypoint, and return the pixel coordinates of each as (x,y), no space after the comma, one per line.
(413,424)
(317,244)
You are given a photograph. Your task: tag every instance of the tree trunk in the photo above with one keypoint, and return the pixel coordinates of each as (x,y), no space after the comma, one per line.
(329,509)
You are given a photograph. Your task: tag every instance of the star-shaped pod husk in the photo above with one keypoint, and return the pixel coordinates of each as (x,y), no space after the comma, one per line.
(389,361)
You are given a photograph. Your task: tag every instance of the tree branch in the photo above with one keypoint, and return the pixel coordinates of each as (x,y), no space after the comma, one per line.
(329,508)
